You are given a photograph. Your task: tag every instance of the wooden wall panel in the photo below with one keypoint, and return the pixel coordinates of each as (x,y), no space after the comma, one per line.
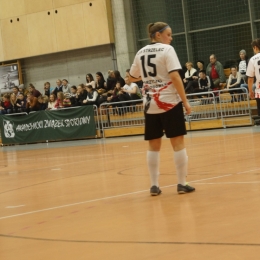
(41,32)
(15,38)
(34,6)
(1,45)
(11,8)
(96,23)
(69,26)
(62,3)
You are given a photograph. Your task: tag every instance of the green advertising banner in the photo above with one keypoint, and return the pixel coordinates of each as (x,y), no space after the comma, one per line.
(48,125)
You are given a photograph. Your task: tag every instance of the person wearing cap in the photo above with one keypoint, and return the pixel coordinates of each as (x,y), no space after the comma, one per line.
(216,72)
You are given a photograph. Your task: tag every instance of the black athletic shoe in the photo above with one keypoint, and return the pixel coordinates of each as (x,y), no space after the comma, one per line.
(155,191)
(184,189)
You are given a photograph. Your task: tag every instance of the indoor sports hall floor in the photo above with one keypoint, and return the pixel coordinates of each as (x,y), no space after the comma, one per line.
(90,200)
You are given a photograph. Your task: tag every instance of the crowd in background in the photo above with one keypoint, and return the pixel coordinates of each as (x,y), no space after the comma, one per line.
(117,89)
(94,92)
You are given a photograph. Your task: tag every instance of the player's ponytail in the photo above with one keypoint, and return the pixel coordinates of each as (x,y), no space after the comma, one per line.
(256,43)
(153,28)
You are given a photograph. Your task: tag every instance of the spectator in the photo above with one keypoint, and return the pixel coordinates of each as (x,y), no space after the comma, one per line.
(100,83)
(132,89)
(200,65)
(216,72)
(52,102)
(204,82)
(16,91)
(34,91)
(234,81)
(190,83)
(111,80)
(65,86)
(66,100)
(58,87)
(138,83)
(47,90)
(5,104)
(21,103)
(119,96)
(92,96)
(119,78)
(81,94)
(59,100)
(43,102)
(90,80)
(73,93)
(242,65)
(22,89)
(13,104)
(32,103)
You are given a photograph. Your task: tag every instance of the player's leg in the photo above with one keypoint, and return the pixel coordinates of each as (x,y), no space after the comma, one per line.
(175,129)
(153,134)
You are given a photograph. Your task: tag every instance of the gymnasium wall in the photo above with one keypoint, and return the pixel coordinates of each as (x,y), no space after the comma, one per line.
(57,38)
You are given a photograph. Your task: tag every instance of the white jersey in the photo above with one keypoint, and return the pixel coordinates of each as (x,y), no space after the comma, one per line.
(153,63)
(253,70)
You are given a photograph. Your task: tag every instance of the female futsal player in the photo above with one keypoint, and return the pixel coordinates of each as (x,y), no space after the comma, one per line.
(157,66)
(253,70)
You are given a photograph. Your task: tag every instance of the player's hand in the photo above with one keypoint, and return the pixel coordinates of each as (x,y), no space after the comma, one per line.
(252,94)
(187,107)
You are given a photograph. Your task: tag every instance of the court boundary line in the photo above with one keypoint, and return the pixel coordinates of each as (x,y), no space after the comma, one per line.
(113,197)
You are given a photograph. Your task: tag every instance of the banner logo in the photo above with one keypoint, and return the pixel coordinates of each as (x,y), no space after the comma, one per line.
(8,129)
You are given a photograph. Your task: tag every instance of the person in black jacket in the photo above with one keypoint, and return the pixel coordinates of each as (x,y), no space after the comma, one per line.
(58,87)
(242,65)
(81,95)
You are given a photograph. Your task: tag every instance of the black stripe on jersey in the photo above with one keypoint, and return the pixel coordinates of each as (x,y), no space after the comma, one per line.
(133,77)
(173,70)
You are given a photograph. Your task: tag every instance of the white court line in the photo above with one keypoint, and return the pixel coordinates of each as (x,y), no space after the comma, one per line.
(13,207)
(116,196)
(105,198)
(212,183)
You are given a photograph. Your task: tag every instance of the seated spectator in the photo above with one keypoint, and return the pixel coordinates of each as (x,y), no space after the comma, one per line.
(16,91)
(13,104)
(43,102)
(81,94)
(100,83)
(200,65)
(58,87)
(5,104)
(21,103)
(92,96)
(32,103)
(73,94)
(90,80)
(119,78)
(204,82)
(52,102)
(216,72)
(234,81)
(190,83)
(34,91)
(66,100)
(65,86)
(59,100)
(138,83)
(242,64)
(47,90)
(111,80)
(119,96)
(23,90)
(132,89)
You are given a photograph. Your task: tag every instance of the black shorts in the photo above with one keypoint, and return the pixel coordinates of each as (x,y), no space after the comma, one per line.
(171,122)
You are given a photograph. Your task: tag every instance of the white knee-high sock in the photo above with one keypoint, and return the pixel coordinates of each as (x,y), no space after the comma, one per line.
(153,161)
(181,164)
